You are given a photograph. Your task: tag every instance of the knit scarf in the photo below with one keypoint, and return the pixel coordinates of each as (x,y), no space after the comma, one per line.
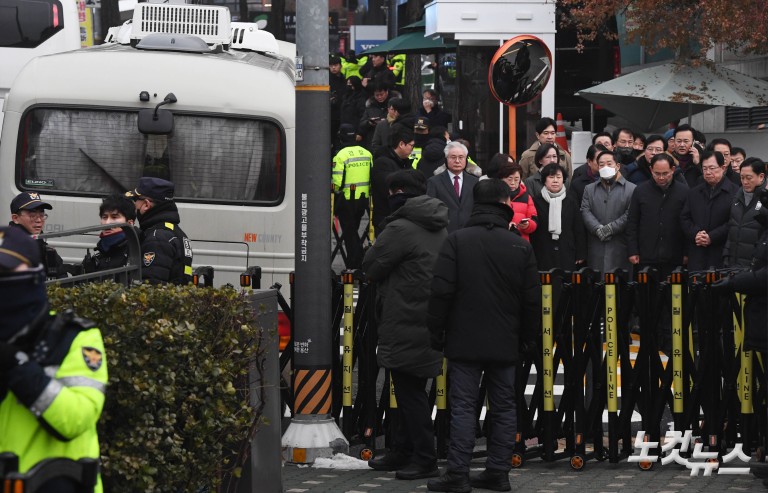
(555,201)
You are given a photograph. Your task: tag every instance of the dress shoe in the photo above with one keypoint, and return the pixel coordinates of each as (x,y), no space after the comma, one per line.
(390,462)
(491,479)
(417,471)
(451,482)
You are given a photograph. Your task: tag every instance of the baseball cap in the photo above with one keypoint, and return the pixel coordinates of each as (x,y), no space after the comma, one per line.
(28,201)
(17,247)
(421,123)
(152,188)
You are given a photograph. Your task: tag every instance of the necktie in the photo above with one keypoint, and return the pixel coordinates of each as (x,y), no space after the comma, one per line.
(456,186)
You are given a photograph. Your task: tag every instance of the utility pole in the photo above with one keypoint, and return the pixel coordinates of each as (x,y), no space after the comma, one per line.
(312,433)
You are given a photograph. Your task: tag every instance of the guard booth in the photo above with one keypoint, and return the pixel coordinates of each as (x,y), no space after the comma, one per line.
(479,28)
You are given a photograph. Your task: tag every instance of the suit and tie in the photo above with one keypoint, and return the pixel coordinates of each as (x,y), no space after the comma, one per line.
(443,187)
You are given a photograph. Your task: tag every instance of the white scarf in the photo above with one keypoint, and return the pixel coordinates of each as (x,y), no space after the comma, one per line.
(555,201)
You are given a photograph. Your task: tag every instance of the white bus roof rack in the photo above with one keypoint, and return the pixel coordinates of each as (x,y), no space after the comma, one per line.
(209,23)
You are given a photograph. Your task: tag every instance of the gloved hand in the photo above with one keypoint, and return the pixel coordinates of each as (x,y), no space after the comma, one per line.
(605,232)
(436,341)
(600,234)
(10,357)
(723,285)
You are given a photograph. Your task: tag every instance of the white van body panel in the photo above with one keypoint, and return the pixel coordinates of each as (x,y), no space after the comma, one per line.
(243,84)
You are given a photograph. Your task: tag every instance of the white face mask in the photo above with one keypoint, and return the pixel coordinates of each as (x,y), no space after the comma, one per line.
(607,172)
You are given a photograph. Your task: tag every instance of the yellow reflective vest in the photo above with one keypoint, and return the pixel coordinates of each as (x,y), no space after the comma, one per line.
(52,403)
(348,69)
(352,166)
(398,68)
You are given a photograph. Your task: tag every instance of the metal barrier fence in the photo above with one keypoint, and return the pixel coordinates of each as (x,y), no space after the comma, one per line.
(689,364)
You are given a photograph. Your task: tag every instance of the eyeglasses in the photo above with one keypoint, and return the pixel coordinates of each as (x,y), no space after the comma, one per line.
(457,158)
(36,214)
(655,150)
(661,175)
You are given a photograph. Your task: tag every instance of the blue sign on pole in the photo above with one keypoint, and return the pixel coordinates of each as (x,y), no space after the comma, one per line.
(366,44)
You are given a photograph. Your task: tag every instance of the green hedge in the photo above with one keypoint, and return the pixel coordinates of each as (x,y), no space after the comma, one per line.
(176,416)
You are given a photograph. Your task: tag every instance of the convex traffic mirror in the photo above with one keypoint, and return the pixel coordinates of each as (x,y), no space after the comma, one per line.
(520,70)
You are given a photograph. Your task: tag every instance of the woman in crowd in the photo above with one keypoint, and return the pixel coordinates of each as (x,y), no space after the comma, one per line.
(559,241)
(545,154)
(525,219)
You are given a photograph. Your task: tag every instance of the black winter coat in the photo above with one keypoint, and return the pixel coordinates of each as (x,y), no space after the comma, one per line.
(755,285)
(432,157)
(401,262)
(486,296)
(745,228)
(104,258)
(572,243)
(353,107)
(581,178)
(653,227)
(690,171)
(385,163)
(705,211)
(166,250)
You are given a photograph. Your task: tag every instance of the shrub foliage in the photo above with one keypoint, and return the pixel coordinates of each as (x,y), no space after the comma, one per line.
(177,416)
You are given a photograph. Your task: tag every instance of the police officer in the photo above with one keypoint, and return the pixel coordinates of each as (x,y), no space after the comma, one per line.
(351,169)
(28,214)
(166,250)
(53,370)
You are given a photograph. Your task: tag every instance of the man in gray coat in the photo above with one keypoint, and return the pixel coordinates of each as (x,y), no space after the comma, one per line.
(605,209)
(401,262)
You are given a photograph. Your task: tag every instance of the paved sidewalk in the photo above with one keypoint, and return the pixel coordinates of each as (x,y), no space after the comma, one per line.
(535,476)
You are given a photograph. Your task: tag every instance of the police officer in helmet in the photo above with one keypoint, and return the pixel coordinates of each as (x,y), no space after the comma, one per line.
(53,371)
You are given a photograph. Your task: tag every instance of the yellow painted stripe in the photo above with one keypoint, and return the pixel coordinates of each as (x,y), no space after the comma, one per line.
(313,88)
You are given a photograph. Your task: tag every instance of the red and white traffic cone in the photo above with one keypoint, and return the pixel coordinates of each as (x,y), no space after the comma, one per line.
(561,140)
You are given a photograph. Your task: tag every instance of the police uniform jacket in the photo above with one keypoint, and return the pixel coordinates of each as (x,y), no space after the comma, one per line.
(165,249)
(49,406)
(745,227)
(754,284)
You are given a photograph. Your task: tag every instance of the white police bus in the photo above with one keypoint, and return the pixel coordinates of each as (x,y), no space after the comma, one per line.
(30,28)
(71,133)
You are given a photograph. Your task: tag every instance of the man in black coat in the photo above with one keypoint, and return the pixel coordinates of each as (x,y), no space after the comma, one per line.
(401,262)
(705,215)
(748,216)
(484,306)
(165,249)
(654,237)
(112,249)
(454,186)
(386,162)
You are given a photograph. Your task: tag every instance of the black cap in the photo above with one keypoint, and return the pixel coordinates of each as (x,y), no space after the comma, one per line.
(16,248)
(347,133)
(152,188)
(334,60)
(28,201)
(422,123)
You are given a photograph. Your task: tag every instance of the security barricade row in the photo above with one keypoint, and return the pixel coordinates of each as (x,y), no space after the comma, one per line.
(688,367)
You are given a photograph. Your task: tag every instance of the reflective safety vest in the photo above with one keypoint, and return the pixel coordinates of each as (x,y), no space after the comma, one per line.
(398,68)
(352,166)
(415,156)
(52,404)
(349,69)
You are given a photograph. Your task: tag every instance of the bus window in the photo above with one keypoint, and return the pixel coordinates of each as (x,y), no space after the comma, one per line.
(213,159)
(29,23)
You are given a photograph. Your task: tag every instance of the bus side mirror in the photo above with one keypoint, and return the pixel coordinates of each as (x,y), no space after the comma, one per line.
(155,122)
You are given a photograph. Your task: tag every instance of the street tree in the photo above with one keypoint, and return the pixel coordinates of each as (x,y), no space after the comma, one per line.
(689,27)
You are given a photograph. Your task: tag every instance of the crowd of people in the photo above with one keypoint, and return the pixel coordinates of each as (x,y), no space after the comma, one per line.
(657,201)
